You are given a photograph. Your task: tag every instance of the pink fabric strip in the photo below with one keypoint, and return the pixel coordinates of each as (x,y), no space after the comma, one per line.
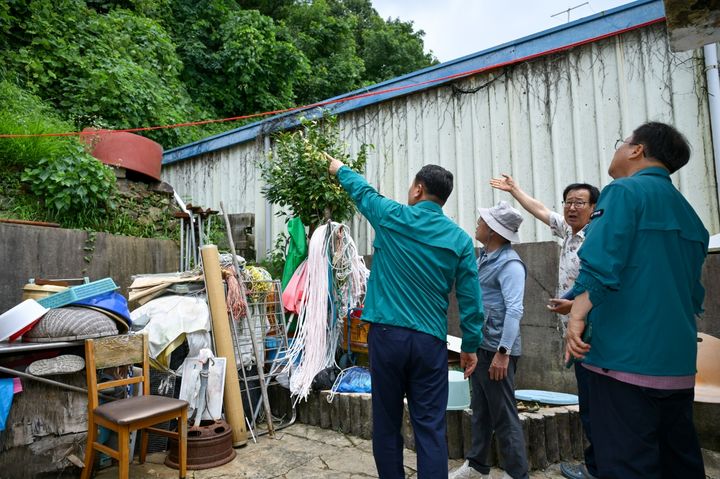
(642,380)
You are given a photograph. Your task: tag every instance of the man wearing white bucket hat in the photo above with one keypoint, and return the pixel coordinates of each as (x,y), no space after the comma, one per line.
(501,273)
(579,201)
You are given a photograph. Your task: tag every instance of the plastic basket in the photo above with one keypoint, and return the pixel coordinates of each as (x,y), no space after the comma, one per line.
(77,293)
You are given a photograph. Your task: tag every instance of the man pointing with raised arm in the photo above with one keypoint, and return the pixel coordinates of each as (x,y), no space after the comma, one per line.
(419,253)
(578,204)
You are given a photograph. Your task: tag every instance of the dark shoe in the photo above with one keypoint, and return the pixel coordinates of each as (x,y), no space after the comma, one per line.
(575,471)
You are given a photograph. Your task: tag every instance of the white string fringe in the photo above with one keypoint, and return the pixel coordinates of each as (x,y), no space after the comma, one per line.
(332,255)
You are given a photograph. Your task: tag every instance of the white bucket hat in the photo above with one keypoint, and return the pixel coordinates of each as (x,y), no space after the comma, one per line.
(503,219)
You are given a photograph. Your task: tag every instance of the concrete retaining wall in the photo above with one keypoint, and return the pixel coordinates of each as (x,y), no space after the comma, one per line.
(46,423)
(40,252)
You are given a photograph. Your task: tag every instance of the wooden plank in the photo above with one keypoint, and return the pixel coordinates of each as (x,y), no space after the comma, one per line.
(116,351)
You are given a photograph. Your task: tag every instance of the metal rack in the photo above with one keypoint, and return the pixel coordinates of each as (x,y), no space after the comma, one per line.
(265,320)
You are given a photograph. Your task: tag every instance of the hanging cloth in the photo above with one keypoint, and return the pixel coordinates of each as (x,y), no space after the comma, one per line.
(297,249)
(293,294)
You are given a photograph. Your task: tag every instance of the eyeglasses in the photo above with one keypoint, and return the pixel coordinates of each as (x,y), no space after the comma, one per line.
(621,141)
(576,204)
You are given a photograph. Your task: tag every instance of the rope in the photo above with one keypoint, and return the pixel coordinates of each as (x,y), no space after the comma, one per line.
(335,281)
(236,294)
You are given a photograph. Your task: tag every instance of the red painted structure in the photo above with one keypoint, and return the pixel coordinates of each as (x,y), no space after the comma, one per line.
(126,150)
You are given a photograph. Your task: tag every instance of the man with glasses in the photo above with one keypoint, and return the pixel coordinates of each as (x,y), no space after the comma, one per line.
(578,204)
(639,291)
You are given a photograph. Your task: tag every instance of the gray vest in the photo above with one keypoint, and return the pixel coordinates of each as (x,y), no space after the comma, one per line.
(489,267)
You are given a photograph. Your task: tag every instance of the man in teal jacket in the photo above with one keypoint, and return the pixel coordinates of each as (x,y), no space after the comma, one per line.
(639,280)
(419,254)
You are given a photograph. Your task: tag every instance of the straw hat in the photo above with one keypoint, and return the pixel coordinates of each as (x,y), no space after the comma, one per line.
(503,219)
(70,324)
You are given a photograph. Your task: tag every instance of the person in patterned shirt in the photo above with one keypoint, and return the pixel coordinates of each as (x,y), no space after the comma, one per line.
(579,201)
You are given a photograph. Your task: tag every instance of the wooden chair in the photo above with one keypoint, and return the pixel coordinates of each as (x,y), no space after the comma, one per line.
(135,413)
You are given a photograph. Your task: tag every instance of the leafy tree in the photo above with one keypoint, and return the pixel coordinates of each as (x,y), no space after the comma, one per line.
(349,45)
(393,49)
(134,63)
(117,70)
(296,175)
(272,8)
(326,39)
(234,61)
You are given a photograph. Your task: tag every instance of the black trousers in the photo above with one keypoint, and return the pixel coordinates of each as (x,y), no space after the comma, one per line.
(582,375)
(407,363)
(494,409)
(643,433)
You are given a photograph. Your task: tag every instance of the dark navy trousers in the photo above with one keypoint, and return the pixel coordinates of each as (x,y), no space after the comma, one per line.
(583,385)
(408,363)
(643,433)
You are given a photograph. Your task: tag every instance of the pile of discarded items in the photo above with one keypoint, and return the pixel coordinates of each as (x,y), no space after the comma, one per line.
(214,334)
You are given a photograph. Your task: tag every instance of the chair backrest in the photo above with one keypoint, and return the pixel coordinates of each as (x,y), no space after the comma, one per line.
(111,352)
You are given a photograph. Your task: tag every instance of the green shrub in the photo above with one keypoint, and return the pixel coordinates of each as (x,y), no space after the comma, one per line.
(74,183)
(296,175)
(24,113)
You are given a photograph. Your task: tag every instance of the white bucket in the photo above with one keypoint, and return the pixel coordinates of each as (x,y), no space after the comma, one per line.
(18,320)
(458,391)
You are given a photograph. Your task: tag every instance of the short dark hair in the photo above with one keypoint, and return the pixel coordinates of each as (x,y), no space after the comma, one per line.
(438,181)
(594,192)
(663,143)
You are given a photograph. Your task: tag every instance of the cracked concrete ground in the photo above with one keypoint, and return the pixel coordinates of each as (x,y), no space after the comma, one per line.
(299,451)
(302,451)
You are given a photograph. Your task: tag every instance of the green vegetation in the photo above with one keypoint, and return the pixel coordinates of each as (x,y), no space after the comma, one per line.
(66,65)
(297,175)
(54,179)
(133,63)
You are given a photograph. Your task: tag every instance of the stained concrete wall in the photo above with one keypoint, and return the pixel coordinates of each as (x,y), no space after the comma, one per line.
(40,252)
(540,366)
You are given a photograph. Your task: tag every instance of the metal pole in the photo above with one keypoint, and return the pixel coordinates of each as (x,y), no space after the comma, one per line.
(258,360)
(193,244)
(713,91)
(182,244)
(50,381)
(268,208)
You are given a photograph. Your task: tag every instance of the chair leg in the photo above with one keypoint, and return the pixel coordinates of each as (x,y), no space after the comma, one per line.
(124,450)
(89,450)
(182,443)
(144,439)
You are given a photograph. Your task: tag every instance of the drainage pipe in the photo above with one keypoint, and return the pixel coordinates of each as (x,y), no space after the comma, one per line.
(713,87)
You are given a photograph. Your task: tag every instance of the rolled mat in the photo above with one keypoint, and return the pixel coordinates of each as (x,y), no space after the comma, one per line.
(223,343)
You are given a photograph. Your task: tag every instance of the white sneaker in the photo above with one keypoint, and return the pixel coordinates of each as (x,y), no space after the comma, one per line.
(467,472)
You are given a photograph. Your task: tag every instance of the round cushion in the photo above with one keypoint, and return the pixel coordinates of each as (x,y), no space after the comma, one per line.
(70,324)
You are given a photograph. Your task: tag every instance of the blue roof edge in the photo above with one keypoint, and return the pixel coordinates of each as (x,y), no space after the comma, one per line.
(599,25)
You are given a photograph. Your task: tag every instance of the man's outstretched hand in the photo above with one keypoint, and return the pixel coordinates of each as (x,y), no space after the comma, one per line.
(506,183)
(334,164)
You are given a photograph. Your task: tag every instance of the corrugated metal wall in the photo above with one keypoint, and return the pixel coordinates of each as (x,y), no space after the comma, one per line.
(547,122)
